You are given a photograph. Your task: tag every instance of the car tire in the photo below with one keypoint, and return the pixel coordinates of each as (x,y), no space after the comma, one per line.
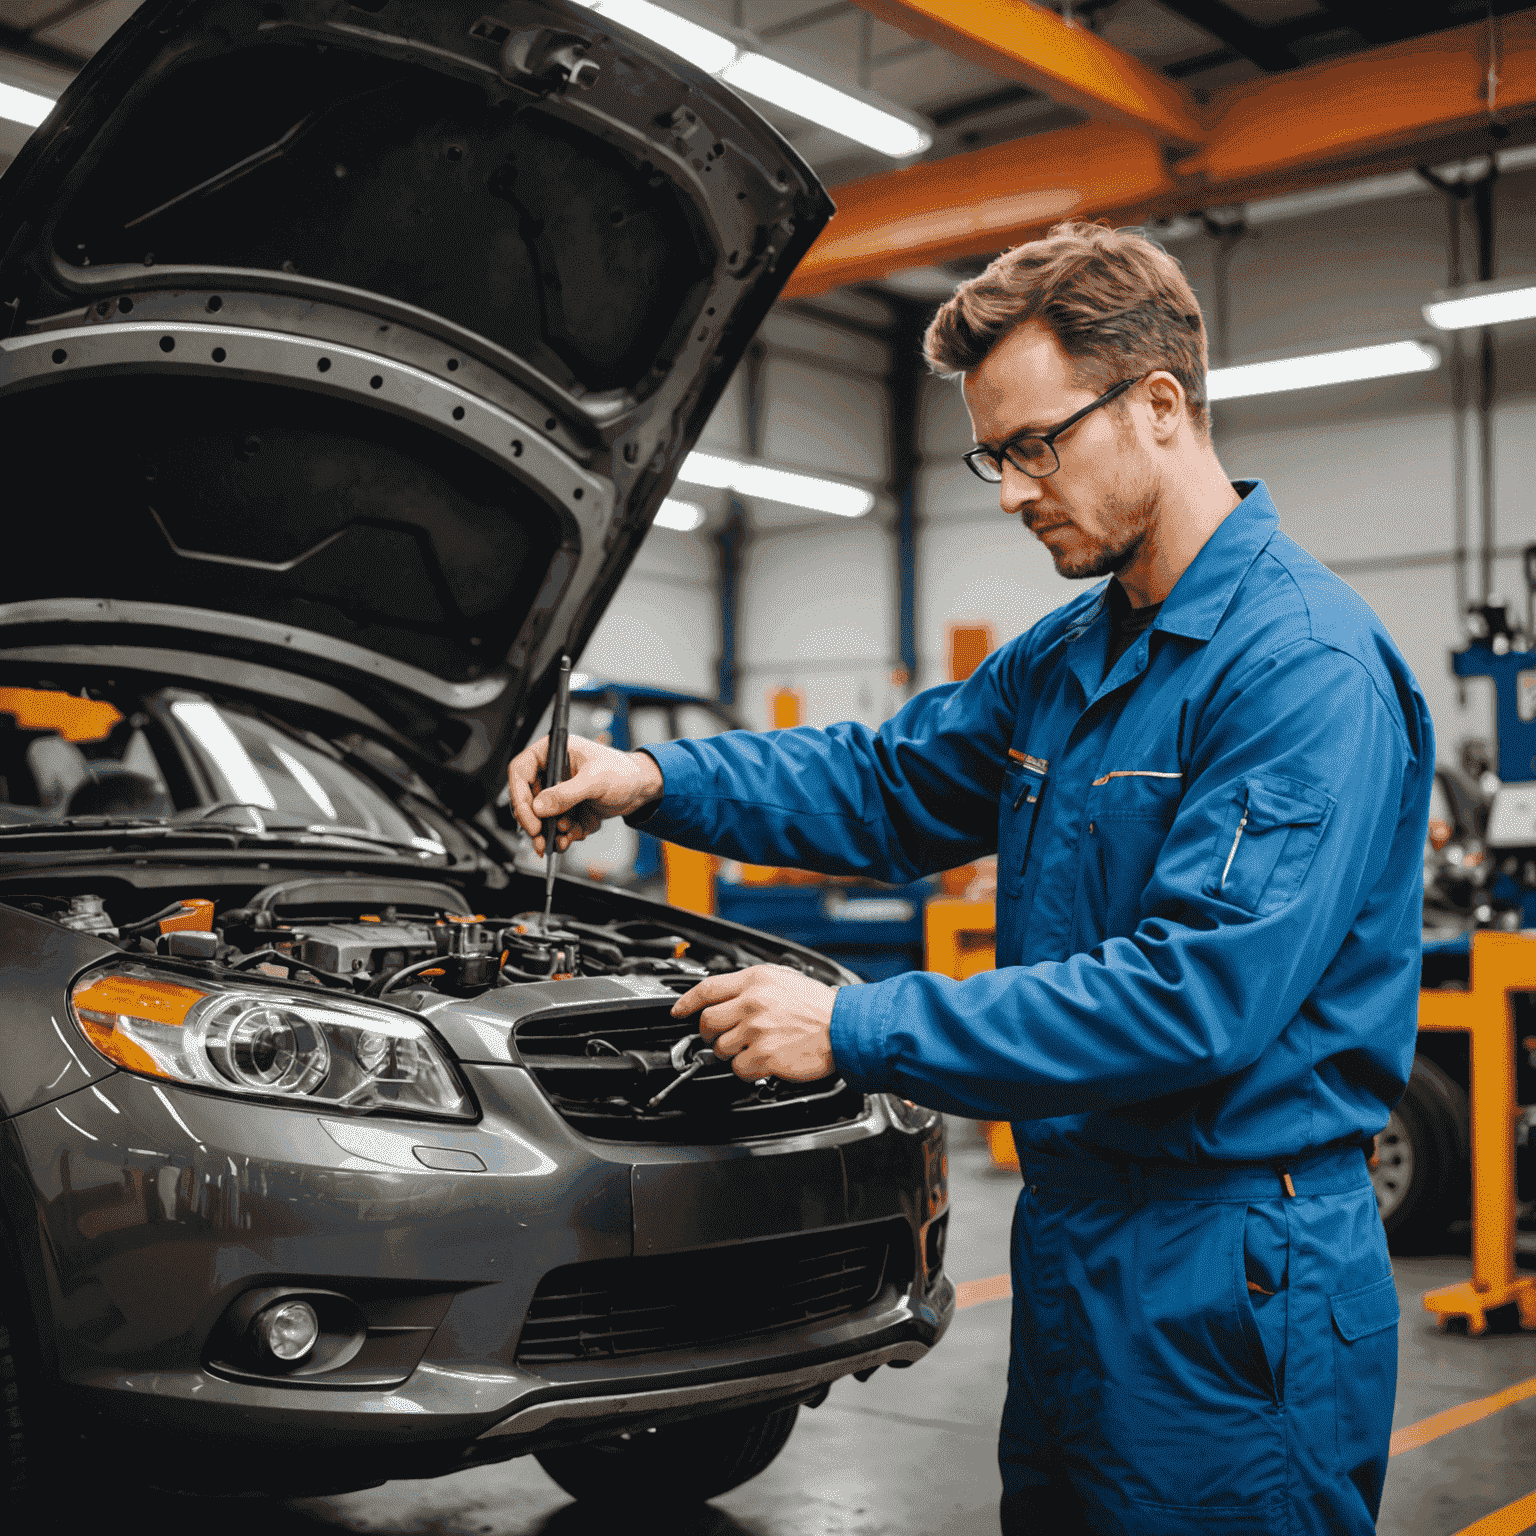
(673,1464)
(1421,1172)
(13,1456)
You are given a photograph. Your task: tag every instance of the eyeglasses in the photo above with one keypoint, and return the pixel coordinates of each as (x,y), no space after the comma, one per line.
(1034,453)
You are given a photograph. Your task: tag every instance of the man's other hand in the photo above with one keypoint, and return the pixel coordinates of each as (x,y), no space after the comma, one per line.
(767,1021)
(602,783)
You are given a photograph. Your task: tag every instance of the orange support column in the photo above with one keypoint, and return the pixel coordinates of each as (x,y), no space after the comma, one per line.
(1502,963)
(690,878)
(960,939)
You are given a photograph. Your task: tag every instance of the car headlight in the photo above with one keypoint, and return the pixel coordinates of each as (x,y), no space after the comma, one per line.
(270,1043)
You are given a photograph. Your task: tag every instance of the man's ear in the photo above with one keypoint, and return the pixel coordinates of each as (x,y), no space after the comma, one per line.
(1169,408)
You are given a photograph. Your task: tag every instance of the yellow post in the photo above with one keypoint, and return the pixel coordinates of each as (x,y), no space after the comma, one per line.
(690,878)
(1502,963)
(960,940)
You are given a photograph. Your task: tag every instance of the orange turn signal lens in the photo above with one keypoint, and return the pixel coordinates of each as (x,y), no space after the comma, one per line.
(1439,833)
(114,1009)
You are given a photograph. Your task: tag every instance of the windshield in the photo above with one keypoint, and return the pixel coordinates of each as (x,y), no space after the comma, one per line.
(179,759)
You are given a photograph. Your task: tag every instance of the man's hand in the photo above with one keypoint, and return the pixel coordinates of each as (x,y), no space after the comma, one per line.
(767,1021)
(603,783)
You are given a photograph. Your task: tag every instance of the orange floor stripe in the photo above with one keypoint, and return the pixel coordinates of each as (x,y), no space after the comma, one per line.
(1411,1436)
(1509,1521)
(969,1292)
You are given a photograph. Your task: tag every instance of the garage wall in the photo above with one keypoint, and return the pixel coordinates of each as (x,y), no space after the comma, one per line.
(1362,474)
(663,625)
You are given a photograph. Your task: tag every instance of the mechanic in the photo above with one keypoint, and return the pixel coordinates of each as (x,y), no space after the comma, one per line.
(1207,781)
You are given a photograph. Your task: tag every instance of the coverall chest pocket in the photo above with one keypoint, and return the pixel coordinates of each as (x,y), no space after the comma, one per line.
(1017,805)
(1270,834)
(1129,813)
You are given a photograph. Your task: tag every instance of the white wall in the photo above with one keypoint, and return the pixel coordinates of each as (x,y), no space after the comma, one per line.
(663,625)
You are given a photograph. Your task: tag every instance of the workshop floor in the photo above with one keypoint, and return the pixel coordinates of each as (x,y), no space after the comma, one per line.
(911,1453)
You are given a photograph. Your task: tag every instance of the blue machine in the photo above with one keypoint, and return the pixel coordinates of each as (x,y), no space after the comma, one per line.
(1500,651)
(630,715)
(876,931)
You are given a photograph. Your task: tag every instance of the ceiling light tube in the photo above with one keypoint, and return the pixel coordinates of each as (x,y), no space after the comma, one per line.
(680,516)
(743,68)
(687,39)
(1346,367)
(835,497)
(25,107)
(817,102)
(1479,304)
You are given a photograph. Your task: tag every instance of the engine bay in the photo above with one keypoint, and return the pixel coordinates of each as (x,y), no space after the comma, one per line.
(318,933)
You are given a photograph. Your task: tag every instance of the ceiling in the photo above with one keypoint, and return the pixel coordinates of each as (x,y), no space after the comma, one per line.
(1204,45)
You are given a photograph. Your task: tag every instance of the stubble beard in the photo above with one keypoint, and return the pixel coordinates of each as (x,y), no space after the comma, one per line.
(1128,522)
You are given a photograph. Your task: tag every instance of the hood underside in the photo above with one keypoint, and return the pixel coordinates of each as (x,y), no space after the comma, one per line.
(351,348)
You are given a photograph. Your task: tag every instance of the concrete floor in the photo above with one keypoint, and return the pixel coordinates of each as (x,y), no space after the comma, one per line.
(912,1453)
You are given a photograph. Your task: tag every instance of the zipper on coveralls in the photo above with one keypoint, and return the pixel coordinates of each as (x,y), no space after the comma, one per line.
(1227,867)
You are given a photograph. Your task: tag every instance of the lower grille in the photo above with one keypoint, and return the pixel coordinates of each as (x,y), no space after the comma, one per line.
(601,1070)
(608,1308)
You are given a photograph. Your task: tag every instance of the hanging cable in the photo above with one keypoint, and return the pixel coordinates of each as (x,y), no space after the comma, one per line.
(1455,194)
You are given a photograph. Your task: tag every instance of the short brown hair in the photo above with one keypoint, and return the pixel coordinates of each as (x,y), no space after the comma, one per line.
(1116,301)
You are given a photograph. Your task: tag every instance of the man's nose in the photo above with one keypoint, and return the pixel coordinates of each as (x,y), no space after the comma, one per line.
(1017,489)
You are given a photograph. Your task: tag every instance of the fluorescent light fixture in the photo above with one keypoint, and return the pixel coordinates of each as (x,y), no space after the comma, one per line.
(681,516)
(1346,367)
(818,102)
(1480,304)
(708,469)
(833,496)
(25,107)
(687,39)
(745,70)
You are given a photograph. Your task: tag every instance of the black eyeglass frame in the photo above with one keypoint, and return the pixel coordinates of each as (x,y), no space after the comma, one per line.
(979,456)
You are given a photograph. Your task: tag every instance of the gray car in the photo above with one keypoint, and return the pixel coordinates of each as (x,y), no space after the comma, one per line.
(349,350)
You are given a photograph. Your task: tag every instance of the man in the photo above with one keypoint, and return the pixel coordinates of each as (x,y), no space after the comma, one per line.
(1207,781)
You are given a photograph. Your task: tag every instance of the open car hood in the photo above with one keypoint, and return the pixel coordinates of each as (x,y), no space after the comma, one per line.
(349,350)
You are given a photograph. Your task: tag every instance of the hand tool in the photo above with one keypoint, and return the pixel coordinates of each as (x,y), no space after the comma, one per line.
(555,772)
(689,1057)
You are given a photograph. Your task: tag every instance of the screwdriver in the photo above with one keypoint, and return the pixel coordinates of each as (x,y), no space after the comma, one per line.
(555,767)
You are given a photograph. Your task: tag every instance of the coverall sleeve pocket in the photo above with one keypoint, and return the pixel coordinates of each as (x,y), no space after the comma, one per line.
(1265,848)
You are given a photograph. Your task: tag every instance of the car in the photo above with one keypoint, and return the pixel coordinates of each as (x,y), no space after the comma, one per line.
(350,350)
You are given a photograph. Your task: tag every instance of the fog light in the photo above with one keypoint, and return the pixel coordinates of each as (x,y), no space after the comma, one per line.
(288,1330)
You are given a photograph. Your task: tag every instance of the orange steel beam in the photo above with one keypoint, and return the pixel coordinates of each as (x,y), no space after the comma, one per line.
(1067,63)
(1368,104)
(1302,129)
(976,203)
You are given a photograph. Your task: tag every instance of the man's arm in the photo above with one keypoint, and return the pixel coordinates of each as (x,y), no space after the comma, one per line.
(915,796)
(1291,819)
(1296,810)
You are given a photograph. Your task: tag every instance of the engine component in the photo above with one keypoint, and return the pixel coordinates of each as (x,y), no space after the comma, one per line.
(88,914)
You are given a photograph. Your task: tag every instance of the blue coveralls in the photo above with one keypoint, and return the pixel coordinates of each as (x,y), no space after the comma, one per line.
(1209,910)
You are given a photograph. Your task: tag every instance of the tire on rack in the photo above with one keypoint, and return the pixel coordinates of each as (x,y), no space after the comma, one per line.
(1422,1170)
(673,1464)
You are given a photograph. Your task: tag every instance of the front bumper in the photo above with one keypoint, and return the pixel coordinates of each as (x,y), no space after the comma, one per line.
(155,1208)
